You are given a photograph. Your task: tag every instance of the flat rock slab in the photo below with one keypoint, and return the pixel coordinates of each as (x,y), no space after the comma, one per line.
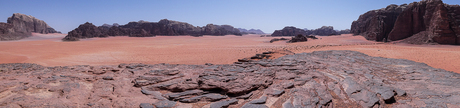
(165,104)
(261,100)
(224,104)
(319,79)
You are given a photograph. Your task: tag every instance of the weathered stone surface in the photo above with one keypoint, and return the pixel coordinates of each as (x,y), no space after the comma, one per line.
(146,105)
(261,100)
(207,97)
(248,105)
(20,26)
(224,104)
(318,79)
(165,104)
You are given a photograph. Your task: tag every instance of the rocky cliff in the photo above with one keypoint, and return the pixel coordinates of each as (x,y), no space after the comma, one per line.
(330,79)
(439,22)
(147,29)
(20,26)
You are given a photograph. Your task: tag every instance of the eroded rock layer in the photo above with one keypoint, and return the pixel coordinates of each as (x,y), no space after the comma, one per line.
(20,26)
(148,29)
(340,79)
(438,21)
(323,31)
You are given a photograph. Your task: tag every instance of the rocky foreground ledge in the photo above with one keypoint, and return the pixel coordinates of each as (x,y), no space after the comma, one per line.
(319,79)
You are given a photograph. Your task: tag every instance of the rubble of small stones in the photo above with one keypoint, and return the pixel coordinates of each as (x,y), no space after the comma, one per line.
(331,79)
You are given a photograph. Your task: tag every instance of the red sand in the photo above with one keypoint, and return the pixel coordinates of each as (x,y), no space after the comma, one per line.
(48,50)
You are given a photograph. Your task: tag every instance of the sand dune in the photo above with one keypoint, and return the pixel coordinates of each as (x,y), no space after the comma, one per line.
(48,50)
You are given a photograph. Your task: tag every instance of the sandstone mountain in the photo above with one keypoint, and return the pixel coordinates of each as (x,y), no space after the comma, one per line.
(321,79)
(20,26)
(251,31)
(289,31)
(323,31)
(431,20)
(147,29)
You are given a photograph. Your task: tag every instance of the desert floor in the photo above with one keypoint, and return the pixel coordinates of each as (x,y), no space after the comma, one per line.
(49,50)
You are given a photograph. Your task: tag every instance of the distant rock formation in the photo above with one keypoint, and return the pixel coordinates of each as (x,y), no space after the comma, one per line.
(289,31)
(87,30)
(20,26)
(250,31)
(147,29)
(346,31)
(323,31)
(441,21)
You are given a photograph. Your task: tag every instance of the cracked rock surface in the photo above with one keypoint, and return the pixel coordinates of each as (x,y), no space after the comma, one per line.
(319,79)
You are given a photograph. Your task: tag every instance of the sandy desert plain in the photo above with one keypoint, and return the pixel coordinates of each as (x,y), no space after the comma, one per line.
(49,50)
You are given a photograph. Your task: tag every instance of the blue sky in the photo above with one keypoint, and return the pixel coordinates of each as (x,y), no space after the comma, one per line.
(267,15)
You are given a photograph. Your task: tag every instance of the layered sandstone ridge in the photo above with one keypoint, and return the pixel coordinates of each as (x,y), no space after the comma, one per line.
(323,31)
(20,26)
(439,22)
(148,29)
(332,79)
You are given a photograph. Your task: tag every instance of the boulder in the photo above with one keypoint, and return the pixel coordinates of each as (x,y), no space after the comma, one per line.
(298,38)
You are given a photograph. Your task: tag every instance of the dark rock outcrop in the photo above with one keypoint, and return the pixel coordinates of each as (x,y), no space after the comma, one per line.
(163,27)
(377,24)
(250,31)
(346,31)
(220,30)
(277,39)
(87,30)
(289,31)
(298,38)
(339,79)
(323,31)
(29,23)
(20,26)
(439,20)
